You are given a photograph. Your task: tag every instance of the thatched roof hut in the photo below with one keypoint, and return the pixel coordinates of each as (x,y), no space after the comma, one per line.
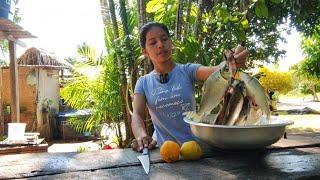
(38,58)
(39,89)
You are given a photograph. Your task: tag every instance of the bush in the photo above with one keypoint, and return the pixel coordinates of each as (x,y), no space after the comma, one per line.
(276,81)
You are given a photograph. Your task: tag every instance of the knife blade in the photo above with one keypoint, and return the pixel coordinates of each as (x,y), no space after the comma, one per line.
(145,160)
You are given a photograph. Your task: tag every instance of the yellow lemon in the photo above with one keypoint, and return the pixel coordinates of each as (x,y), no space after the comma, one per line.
(190,150)
(170,151)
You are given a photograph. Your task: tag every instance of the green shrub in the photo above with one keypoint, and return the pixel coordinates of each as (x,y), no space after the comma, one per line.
(305,88)
(276,81)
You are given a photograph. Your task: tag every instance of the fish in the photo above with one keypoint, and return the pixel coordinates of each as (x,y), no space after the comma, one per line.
(222,112)
(244,112)
(257,92)
(254,116)
(234,105)
(214,89)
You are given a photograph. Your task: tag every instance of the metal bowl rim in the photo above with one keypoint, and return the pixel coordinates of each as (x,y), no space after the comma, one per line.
(283,123)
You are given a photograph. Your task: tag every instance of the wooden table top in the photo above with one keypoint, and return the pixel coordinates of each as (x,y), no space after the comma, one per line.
(295,157)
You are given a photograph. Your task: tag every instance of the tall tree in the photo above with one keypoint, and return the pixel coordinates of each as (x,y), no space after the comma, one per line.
(121,68)
(199,19)
(130,58)
(186,25)
(179,20)
(113,19)
(309,69)
(141,6)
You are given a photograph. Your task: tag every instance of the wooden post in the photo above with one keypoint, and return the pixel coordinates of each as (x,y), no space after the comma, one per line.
(1,102)
(15,103)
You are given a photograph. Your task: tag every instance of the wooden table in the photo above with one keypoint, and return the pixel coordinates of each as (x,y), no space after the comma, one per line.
(295,157)
(41,146)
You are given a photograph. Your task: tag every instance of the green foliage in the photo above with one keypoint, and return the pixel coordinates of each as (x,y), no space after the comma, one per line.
(79,124)
(303,14)
(224,26)
(305,88)
(261,9)
(163,11)
(100,94)
(276,81)
(190,50)
(308,70)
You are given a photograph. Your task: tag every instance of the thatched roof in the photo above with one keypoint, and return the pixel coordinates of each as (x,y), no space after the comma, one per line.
(38,58)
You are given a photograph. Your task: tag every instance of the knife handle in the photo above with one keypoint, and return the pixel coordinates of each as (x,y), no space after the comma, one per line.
(145,151)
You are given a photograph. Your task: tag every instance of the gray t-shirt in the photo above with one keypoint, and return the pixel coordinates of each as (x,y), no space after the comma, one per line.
(166,102)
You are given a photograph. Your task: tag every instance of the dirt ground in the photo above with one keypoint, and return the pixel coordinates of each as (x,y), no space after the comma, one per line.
(307,123)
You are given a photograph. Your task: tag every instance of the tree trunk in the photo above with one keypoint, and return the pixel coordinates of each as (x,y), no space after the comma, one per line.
(179,20)
(186,25)
(113,19)
(244,7)
(141,6)
(119,134)
(120,64)
(123,15)
(314,92)
(198,20)
(147,64)
(124,19)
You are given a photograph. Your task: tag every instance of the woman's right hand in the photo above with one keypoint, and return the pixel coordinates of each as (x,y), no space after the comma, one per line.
(139,143)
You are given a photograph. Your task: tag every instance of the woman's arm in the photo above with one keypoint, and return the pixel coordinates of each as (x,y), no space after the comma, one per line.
(204,72)
(239,60)
(138,116)
(137,125)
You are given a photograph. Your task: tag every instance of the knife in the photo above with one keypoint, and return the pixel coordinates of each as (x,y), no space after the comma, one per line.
(145,160)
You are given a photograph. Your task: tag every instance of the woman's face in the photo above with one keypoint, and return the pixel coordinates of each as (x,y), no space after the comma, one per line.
(158,45)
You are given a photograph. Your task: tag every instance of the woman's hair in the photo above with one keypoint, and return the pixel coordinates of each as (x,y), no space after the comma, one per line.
(145,29)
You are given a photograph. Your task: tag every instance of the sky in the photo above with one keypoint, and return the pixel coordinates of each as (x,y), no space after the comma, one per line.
(294,52)
(62,25)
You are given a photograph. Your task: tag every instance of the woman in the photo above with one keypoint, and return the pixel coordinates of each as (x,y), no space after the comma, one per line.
(167,91)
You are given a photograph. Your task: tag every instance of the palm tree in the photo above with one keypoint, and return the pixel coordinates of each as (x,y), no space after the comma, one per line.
(113,19)
(141,6)
(179,20)
(130,57)
(186,28)
(121,67)
(198,20)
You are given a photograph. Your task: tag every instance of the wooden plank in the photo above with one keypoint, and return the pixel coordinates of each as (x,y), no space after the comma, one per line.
(24,149)
(7,25)
(15,103)
(123,160)
(10,37)
(11,28)
(1,105)
(260,166)
(10,143)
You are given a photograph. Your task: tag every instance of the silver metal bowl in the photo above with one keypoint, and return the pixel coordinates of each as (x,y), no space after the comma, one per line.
(239,137)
